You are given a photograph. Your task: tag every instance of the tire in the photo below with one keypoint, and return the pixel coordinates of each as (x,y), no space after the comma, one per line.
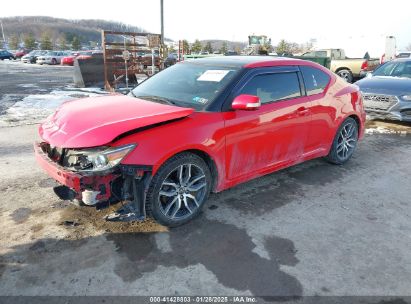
(171,199)
(344,143)
(346,75)
(53,61)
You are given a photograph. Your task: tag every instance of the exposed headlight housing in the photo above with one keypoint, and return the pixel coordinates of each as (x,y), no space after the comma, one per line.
(406,97)
(106,159)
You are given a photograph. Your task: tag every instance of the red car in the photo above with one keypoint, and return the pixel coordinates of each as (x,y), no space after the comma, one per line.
(198,126)
(20,53)
(69,60)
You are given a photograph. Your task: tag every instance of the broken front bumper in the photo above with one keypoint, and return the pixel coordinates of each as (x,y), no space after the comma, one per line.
(91,189)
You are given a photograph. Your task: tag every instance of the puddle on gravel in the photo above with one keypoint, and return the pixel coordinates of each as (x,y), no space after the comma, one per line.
(224,249)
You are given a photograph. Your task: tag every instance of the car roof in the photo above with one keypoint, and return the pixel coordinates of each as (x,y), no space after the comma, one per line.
(250,61)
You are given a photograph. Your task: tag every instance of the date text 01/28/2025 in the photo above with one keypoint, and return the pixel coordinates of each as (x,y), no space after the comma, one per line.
(203,299)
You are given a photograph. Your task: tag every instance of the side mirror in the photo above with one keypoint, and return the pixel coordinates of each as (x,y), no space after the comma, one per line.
(246,102)
(368,75)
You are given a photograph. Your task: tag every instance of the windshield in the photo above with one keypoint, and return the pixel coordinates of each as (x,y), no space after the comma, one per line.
(394,69)
(186,84)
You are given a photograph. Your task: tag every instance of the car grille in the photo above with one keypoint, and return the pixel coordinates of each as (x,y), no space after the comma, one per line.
(379,102)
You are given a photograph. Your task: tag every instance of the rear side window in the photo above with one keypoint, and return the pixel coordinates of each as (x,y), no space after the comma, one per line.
(315,80)
(273,87)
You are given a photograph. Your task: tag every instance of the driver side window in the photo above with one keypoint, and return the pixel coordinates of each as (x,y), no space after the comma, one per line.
(273,87)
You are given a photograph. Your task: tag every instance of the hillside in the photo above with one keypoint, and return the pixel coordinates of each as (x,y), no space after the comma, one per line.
(88,31)
(85,30)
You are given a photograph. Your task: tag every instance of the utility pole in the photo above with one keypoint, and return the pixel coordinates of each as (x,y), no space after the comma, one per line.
(2,30)
(162,21)
(162,34)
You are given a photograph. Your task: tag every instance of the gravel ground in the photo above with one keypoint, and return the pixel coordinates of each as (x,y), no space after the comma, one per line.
(313,229)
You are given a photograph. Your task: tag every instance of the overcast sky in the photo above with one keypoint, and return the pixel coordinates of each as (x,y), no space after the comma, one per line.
(343,23)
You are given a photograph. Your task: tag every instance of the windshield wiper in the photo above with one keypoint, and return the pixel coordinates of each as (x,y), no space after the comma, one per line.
(159,99)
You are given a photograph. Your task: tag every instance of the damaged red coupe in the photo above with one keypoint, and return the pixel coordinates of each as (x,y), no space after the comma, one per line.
(196,127)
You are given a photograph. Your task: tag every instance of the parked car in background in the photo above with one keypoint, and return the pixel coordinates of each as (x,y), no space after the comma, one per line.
(69,60)
(20,53)
(52,57)
(347,68)
(6,55)
(88,55)
(197,127)
(32,56)
(230,53)
(404,54)
(171,60)
(387,91)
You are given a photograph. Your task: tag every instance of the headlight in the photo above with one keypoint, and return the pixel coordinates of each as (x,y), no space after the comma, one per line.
(406,97)
(107,159)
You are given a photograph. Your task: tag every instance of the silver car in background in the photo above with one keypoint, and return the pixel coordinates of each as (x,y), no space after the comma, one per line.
(387,91)
(32,56)
(52,57)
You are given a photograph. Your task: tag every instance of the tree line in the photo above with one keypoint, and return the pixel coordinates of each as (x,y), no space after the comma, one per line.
(46,42)
(198,47)
(283,47)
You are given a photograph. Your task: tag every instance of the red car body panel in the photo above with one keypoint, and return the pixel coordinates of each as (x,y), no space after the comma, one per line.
(71,127)
(241,144)
(69,60)
(237,141)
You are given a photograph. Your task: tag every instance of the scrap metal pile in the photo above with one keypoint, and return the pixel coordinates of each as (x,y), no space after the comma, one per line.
(127,55)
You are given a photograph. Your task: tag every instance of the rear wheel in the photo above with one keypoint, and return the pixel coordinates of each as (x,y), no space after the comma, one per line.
(53,61)
(344,143)
(346,75)
(179,190)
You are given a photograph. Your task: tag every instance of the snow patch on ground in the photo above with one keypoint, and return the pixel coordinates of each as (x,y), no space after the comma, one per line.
(28,85)
(33,109)
(382,130)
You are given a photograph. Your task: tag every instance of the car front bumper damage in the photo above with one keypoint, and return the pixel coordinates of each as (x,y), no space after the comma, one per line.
(97,189)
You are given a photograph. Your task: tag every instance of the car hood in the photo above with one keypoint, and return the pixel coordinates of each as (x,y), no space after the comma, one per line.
(98,121)
(385,85)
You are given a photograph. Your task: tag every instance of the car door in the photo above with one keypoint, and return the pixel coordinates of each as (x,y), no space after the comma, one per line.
(276,133)
(322,110)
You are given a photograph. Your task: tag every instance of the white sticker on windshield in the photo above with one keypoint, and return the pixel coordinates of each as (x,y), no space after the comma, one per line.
(213,75)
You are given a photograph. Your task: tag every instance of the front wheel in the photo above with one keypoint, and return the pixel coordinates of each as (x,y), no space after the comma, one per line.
(344,143)
(179,190)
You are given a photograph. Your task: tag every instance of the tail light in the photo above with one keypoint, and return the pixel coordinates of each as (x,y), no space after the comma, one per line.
(364,65)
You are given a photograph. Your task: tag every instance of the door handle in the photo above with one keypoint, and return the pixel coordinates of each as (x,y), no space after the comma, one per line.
(303,111)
